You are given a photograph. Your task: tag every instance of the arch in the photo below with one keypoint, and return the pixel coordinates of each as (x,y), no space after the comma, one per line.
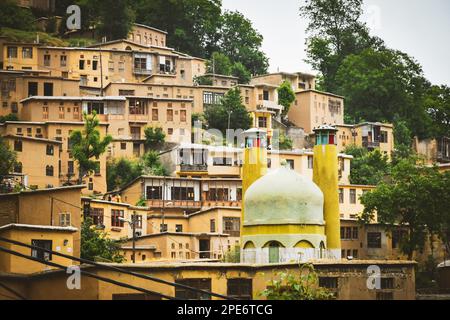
(128,48)
(273,244)
(249,245)
(304,244)
(322,249)
(274,251)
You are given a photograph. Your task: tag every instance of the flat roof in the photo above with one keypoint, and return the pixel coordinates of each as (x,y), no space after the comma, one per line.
(320,92)
(12,136)
(29,192)
(38,227)
(74,98)
(150,28)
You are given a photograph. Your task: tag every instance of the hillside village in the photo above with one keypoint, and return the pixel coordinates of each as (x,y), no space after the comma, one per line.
(190,212)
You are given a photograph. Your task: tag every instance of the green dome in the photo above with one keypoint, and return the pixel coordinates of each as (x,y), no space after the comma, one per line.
(283,197)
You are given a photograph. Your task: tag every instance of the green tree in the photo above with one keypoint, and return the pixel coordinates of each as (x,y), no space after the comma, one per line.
(413,198)
(240,71)
(242,43)
(95,244)
(219,64)
(402,142)
(116,19)
(13,16)
(154,137)
(437,105)
(9,117)
(153,165)
(192,25)
(88,146)
(286,96)
(121,171)
(283,142)
(289,286)
(7,159)
(230,108)
(367,168)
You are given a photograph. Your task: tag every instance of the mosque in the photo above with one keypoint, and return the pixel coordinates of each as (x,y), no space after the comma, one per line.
(286,216)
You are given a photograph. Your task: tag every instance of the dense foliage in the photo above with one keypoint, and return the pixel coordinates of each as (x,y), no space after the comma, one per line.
(289,286)
(13,16)
(154,137)
(415,197)
(7,159)
(286,96)
(96,245)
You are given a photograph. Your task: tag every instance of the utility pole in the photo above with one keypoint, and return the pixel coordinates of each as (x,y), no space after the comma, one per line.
(163,206)
(133,227)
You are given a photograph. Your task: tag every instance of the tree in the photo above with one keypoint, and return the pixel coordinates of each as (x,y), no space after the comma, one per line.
(9,117)
(437,105)
(96,245)
(413,198)
(286,96)
(335,32)
(230,108)
(283,142)
(152,164)
(119,172)
(116,19)
(192,25)
(240,71)
(305,286)
(367,168)
(403,142)
(7,159)
(242,43)
(88,146)
(13,16)
(219,64)
(154,137)
(384,85)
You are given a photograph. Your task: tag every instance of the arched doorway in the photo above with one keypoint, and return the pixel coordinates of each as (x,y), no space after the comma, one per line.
(322,250)
(274,251)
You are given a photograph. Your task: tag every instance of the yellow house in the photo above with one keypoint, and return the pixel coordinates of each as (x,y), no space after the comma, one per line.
(58,207)
(60,239)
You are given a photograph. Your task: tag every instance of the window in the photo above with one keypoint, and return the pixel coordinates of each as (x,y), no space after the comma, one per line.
(98,107)
(45,112)
(27,52)
(341,195)
(265,95)
(231,226)
(290,162)
(138,221)
(383,137)
(217,194)
(70,167)
(14,107)
(123,146)
(240,289)
(182,193)
(262,122)
(18,167)
(397,237)
(41,254)
(349,233)
(387,283)
(97,216)
(12,52)
(94,65)
(182,115)
(355,254)
(212,98)
(32,89)
(154,193)
(179,228)
(63,61)
(18,146)
(328,282)
(61,113)
(169,115)
(310,162)
(186,294)
(355,232)
(222,162)
(47,60)
(49,171)
(111,66)
(352,196)
(81,64)
(212,225)
(154,114)
(64,219)
(48,89)
(50,150)
(374,240)
(125,93)
(163,227)
(115,218)
(170,131)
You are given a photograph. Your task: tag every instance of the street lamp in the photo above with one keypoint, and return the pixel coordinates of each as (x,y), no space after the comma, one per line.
(132,223)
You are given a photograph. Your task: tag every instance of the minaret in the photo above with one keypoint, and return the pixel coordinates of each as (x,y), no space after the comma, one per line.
(325,175)
(255,162)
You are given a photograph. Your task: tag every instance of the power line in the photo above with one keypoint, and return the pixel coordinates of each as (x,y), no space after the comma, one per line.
(108,267)
(88,274)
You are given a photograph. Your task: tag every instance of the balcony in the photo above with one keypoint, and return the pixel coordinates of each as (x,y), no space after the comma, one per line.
(145,72)
(194,168)
(174,203)
(371,145)
(270,105)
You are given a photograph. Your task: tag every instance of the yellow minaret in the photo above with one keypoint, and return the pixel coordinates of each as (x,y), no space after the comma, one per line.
(325,175)
(255,161)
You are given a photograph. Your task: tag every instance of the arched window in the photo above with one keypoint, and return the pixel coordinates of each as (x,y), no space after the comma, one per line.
(49,171)
(274,251)
(128,48)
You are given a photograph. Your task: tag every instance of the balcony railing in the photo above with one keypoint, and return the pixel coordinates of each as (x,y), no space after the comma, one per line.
(194,168)
(371,145)
(174,203)
(142,71)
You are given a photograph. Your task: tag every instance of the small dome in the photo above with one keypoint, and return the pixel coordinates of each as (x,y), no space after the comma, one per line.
(283,197)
